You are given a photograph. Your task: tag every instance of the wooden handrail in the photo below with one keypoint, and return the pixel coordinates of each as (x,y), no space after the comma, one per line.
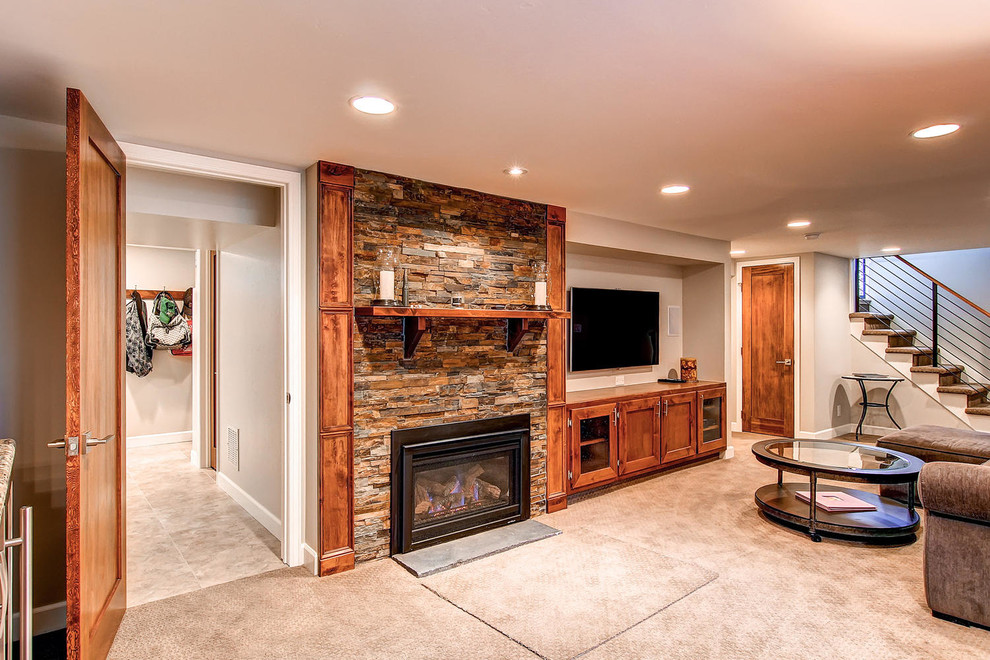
(950,290)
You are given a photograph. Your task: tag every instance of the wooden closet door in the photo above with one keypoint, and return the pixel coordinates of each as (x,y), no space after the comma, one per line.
(94,336)
(768,349)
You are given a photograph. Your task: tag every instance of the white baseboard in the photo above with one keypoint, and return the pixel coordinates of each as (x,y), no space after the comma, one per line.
(153,439)
(47,618)
(309,559)
(729,452)
(268,519)
(836,431)
(736,427)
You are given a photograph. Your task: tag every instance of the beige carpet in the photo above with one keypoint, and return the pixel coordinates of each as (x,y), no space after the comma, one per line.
(777,594)
(565,595)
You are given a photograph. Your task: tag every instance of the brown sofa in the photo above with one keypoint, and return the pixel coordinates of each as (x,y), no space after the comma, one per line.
(935,443)
(955,490)
(957,540)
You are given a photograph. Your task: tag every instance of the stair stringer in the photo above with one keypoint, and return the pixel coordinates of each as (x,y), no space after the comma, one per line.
(926,382)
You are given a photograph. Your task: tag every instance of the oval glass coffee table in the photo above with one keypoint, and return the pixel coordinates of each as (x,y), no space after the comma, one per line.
(841,461)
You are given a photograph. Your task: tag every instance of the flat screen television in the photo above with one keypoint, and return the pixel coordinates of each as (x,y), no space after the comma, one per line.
(613,328)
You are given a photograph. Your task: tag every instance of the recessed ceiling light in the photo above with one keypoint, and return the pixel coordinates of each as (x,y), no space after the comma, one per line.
(938,130)
(736,253)
(799,223)
(675,189)
(890,249)
(515,171)
(372,105)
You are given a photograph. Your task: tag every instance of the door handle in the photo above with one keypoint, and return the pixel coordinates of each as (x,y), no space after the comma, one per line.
(786,362)
(99,441)
(73,442)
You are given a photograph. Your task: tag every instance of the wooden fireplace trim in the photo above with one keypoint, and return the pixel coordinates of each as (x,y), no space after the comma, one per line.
(335,216)
(556,367)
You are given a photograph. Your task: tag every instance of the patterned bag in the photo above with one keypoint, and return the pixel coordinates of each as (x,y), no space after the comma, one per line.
(167,329)
(137,351)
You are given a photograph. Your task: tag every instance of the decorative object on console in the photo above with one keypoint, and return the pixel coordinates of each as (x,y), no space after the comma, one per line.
(386,265)
(689,369)
(405,287)
(541,282)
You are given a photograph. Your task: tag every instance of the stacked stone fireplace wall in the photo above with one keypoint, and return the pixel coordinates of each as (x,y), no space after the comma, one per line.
(454,242)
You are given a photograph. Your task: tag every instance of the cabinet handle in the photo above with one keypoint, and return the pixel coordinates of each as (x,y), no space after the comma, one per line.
(665,408)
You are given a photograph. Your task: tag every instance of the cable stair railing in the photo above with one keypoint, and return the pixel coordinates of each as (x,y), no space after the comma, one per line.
(944,332)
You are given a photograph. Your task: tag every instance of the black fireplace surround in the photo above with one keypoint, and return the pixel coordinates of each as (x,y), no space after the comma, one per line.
(453,480)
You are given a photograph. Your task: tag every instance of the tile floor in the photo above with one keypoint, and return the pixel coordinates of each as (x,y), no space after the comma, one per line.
(183,532)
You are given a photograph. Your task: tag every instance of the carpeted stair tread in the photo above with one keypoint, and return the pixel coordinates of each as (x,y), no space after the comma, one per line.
(886,318)
(887,332)
(981,409)
(941,369)
(963,388)
(913,350)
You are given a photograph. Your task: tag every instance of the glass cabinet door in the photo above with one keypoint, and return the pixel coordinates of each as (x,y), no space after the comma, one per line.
(593,450)
(712,429)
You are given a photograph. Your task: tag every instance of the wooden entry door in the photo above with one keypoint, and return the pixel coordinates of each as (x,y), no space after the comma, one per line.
(768,349)
(94,333)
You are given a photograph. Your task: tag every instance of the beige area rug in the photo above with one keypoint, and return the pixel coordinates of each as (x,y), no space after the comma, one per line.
(563,596)
(375,611)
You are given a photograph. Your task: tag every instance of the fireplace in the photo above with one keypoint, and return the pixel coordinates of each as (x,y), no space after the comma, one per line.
(453,480)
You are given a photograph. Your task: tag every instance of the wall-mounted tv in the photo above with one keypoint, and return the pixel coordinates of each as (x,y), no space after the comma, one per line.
(613,328)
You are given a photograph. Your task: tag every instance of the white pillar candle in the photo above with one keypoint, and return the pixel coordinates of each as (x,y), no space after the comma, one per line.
(386,284)
(541,294)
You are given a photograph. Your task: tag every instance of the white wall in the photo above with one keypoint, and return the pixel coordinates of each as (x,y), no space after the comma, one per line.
(615,273)
(965,271)
(32,330)
(704,272)
(157,193)
(160,405)
(250,386)
(706,312)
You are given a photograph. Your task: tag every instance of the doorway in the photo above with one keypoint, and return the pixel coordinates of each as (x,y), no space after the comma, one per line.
(197,517)
(768,356)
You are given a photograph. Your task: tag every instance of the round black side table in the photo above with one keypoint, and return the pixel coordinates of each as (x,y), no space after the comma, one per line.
(866,403)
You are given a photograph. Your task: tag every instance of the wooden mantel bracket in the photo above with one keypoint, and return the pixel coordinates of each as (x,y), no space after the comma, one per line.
(413,328)
(515,330)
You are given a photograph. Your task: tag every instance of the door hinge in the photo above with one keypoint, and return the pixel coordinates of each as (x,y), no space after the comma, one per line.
(570,475)
(570,422)
(288,398)
(615,415)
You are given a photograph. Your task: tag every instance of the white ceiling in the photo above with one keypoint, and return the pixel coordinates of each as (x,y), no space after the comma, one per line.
(770,109)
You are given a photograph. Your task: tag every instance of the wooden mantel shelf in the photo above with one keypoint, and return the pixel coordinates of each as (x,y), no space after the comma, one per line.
(462,312)
(415,320)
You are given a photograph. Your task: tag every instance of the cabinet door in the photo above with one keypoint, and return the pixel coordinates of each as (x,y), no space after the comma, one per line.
(678,426)
(639,435)
(593,451)
(711,430)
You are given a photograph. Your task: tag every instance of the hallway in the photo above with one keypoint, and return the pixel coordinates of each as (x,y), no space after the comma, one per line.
(183,532)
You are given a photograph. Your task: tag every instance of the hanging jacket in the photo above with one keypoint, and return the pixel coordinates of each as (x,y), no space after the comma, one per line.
(137,351)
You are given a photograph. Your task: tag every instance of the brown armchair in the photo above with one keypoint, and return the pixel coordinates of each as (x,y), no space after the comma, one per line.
(957,540)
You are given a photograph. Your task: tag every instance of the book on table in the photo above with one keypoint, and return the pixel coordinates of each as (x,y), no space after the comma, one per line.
(835,501)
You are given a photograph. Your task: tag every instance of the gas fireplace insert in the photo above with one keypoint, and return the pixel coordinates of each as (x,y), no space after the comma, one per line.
(453,480)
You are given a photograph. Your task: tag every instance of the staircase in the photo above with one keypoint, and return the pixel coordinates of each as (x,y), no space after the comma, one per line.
(927,332)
